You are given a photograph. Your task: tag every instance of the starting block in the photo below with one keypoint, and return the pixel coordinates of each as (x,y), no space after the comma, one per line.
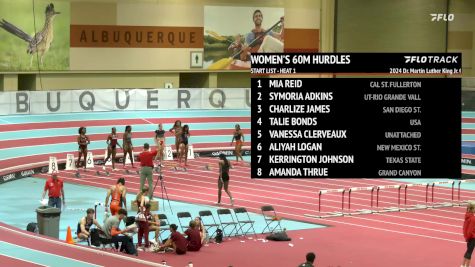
(179,168)
(129,172)
(106,173)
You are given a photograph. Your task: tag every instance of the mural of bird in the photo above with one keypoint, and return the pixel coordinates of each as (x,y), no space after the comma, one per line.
(41,41)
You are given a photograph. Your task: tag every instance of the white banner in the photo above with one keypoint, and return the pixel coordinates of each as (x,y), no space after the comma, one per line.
(168,153)
(53,165)
(191,153)
(89,160)
(70,163)
(109,161)
(65,101)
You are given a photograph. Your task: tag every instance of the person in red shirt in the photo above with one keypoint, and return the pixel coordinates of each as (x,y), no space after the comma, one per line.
(176,241)
(146,172)
(54,186)
(469,233)
(193,236)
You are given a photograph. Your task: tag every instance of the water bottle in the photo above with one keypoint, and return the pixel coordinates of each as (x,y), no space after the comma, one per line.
(190,264)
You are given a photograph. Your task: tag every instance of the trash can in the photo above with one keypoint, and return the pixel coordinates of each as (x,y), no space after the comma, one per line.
(48,221)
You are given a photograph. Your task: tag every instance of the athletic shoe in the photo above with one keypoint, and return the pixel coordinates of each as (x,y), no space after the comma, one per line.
(169,250)
(104,168)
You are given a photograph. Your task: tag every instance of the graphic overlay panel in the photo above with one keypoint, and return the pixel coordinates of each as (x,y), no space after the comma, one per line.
(405,127)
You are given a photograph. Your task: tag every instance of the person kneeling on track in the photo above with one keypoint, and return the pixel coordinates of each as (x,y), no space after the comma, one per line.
(112,232)
(177,242)
(84,225)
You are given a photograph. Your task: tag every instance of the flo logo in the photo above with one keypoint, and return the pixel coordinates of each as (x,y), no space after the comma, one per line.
(442,17)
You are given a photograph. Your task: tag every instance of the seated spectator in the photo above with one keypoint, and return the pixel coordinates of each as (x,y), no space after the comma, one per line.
(201,227)
(142,199)
(112,232)
(85,224)
(310,259)
(177,242)
(193,236)
(154,225)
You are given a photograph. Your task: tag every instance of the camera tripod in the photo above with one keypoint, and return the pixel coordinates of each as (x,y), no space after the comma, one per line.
(163,188)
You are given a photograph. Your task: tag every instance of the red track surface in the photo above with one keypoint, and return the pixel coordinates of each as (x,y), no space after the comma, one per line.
(398,238)
(468,120)
(113,123)
(95,256)
(103,137)
(408,238)
(7,261)
(29,162)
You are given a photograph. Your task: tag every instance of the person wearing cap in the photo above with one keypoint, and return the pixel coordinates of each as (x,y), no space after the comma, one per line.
(54,186)
(146,162)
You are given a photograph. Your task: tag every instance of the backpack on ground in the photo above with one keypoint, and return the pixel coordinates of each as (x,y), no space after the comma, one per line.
(279,236)
(95,239)
(219,236)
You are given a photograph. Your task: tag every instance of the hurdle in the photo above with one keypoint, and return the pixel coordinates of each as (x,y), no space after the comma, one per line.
(428,198)
(371,189)
(332,213)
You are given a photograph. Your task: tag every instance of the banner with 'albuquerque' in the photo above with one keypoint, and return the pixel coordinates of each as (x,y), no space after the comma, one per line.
(65,101)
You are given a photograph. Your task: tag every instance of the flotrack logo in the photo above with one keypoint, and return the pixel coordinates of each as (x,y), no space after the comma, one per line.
(8,177)
(27,173)
(442,17)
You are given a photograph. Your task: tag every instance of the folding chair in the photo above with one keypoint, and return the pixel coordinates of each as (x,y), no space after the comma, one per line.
(243,218)
(270,217)
(164,224)
(107,242)
(225,224)
(209,225)
(183,216)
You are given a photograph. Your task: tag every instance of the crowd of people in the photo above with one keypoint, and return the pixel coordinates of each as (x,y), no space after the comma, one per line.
(182,135)
(144,221)
(141,225)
